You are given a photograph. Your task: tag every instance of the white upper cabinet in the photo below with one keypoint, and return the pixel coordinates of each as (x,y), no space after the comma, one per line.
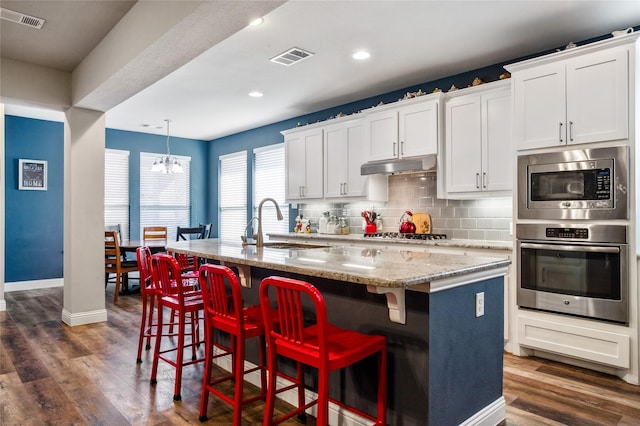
(580,99)
(478,143)
(409,130)
(304,164)
(344,153)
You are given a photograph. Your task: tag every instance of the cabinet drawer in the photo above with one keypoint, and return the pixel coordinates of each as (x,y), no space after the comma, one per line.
(601,346)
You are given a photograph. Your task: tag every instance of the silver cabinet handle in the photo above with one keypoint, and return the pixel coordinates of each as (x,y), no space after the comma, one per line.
(345,188)
(560,134)
(484,180)
(394,149)
(571,131)
(402,148)
(478,180)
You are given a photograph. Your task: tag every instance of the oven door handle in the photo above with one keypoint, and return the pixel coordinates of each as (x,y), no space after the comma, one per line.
(591,249)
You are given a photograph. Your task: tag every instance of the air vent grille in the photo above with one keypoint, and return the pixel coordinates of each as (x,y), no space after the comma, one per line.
(291,56)
(21,18)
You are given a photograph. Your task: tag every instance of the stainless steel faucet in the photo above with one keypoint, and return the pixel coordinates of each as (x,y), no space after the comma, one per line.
(244,234)
(259,241)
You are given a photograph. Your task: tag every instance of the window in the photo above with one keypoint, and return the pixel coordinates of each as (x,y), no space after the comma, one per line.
(269,181)
(116,189)
(233,196)
(165,199)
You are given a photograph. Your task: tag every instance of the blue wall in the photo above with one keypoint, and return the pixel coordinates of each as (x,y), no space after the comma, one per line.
(142,142)
(33,219)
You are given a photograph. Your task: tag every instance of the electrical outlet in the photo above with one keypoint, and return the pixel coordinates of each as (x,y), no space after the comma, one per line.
(479,304)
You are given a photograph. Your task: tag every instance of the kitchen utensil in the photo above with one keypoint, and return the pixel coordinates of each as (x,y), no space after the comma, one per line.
(422,222)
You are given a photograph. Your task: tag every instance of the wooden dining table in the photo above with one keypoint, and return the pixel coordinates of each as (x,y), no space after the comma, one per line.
(155,246)
(130,246)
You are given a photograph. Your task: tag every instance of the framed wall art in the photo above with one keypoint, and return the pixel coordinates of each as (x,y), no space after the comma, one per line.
(32,175)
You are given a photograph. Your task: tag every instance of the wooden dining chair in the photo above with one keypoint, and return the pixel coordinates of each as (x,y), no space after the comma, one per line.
(154,233)
(114,263)
(116,228)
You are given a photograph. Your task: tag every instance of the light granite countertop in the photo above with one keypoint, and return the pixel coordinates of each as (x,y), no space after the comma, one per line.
(366,264)
(360,238)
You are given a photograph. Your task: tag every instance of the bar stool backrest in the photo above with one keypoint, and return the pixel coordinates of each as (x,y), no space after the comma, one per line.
(289,297)
(221,295)
(167,275)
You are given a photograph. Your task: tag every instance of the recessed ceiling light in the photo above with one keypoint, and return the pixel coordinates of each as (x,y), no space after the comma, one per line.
(361,55)
(257,21)
(255,94)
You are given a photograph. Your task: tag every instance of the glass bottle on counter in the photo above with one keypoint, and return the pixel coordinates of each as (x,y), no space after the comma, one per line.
(322,225)
(344,226)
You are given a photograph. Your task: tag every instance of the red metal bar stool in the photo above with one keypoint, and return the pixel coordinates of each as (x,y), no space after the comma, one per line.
(320,345)
(179,297)
(149,292)
(224,312)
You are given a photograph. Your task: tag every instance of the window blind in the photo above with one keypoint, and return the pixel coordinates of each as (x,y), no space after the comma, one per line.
(233,195)
(269,181)
(116,189)
(165,199)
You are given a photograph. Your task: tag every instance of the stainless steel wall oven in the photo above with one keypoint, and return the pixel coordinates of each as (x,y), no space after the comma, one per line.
(575,269)
(574,184)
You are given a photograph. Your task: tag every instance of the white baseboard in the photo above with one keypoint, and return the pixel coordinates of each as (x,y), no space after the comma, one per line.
(490,415)
(90,317)
(32,285)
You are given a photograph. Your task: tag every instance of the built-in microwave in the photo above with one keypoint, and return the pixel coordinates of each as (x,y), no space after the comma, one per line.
(574,184)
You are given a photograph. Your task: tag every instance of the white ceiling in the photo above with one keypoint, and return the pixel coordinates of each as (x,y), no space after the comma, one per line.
(411,42)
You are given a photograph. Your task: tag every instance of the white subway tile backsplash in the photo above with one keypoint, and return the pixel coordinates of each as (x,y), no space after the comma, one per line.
(483,219)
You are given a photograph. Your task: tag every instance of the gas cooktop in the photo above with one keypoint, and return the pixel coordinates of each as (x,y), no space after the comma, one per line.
(398,235)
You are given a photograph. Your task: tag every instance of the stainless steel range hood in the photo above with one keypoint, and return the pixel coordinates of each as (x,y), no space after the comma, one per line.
(402,165)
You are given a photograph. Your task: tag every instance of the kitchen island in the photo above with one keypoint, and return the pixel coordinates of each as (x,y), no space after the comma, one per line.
(444,358)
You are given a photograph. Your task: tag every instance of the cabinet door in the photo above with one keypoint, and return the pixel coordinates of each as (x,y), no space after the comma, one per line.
(597,92)
(497,142)
(418,129)
(355,185)
(304,164)
(540,106)
(335,159)
(314,181)
(382,132)
(294,157)
(463,144)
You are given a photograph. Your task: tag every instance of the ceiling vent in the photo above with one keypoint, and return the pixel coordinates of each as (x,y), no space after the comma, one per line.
(291,56)
(21,18)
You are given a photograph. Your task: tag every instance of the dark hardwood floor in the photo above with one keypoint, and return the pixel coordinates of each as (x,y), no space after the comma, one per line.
(87,375)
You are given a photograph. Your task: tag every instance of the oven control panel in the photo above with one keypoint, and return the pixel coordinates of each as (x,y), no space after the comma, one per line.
(574,233)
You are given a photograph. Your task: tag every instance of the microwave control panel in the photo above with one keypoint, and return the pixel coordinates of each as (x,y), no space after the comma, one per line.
(573,233)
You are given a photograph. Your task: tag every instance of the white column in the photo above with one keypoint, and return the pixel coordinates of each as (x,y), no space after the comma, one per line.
(84,143)
(3,304)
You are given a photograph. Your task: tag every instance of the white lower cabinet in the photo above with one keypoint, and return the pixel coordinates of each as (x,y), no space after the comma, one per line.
(559,336)
(478,144)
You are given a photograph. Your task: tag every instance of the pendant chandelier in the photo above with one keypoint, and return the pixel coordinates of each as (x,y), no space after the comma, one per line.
(166,163)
